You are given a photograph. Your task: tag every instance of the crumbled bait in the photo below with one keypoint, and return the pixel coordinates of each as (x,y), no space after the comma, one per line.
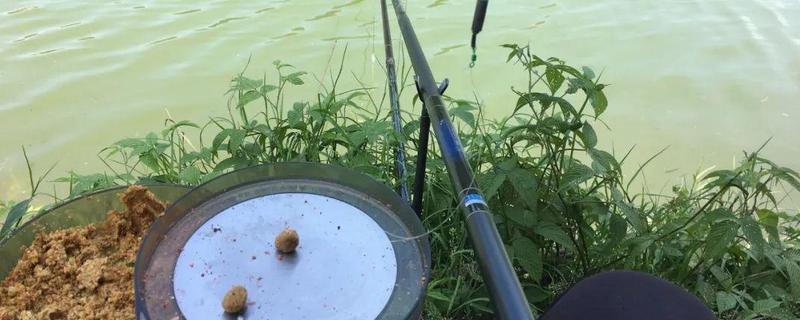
(82,272)
(235,300)
(287,241)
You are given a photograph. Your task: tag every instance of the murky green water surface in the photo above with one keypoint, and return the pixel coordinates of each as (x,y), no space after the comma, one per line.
(707,78)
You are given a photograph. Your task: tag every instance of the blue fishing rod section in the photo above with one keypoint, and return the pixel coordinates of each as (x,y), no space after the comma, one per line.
(391,74)
(505,291)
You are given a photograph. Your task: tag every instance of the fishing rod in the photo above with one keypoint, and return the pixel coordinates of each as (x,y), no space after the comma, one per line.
(477,25)
(400,152)
(505,291)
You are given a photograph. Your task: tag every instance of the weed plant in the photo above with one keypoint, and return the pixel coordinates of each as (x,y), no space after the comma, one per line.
(563,206)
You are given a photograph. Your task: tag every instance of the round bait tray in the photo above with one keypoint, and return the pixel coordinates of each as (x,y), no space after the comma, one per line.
(363,253)
(81,211)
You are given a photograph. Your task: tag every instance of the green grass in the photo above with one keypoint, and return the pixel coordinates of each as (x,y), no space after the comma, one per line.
(562,205)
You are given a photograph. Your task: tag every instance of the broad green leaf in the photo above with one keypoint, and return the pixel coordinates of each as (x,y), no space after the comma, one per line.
(521,216)
(248,97)
(267,88)
(526,185)
(618,227)
(264,130)
(717,215)
(14,215)
(752,231)
(280,65)
(588,136)
(130,142)
(294,78)
(720,237)
(545,101)
(775,257)
(725,301)
(705,290)
(511,55)
(723,277)
(509,250)
(554,124)
(527,253)
(634,216)
(575,174)
(244,83)
(464,111)
(295,116)
(85,183)
(784,174)
(375,130)
(764,305)
(770,221)
(489,183)
(190,175)
(554,79)
(780,313)
(568,69)
(513,50)
(793,272)
(640,244)
(530,98)
(672,251)
(720,178)
(775,291)
(574,85)
(536,293)
(182,123)
(566,108)
(554,233)
(599,102)
(411,127)
(150,159)
(602,161)
(357,137)
(232,162)
(235,138)
(588,73)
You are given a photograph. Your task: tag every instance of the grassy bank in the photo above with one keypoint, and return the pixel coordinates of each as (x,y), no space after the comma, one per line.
(563,206)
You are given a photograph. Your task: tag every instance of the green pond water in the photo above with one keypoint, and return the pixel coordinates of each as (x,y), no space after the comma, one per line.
(707,78)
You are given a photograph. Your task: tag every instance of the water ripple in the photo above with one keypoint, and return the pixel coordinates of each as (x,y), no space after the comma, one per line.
(224,21)
(162,40)
(328,14)
(365,36)
(47,51)
(69,25)
(351,3)
(187,12)
(437,3)
(448,49)
(27,36)
(23,9)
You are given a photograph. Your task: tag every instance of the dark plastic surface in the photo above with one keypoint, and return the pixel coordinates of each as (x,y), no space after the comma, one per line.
(156,263)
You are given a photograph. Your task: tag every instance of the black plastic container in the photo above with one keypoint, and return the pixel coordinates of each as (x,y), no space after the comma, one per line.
(363,252)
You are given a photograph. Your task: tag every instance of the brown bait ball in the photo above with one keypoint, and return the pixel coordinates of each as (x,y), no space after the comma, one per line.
(235,300)
(287,241)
